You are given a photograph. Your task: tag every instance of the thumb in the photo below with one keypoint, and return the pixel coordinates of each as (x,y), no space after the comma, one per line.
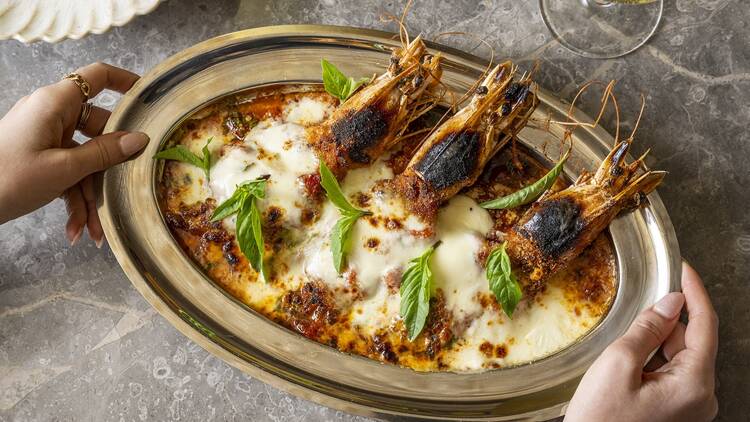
(651,327)
(99,153)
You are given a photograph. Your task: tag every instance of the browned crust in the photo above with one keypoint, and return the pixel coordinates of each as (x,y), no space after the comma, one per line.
(420,198)
(311,310)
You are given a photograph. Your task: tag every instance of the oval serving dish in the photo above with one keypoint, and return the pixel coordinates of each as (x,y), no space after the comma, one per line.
(648,259)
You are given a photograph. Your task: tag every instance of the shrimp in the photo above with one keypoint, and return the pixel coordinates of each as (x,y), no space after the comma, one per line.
(559,226)
(372,120)
(454,154)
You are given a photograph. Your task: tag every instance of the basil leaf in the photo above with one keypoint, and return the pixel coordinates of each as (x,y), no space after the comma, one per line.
(256,188)
(249,235)
(502,281)
(179,153)
(183,154)
(229,207)
(207,158)
(530,192)
(340,239)
(416,285)
(336,83)
(333,190)
(349,215)
(249,231)
(352,85)
(255,219)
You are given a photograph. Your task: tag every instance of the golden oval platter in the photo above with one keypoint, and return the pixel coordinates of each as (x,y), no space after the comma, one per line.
(648,258)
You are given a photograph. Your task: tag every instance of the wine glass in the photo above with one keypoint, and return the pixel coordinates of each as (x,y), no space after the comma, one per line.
(602,29)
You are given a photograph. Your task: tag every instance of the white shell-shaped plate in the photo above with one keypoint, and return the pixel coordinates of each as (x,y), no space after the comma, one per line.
(54,20)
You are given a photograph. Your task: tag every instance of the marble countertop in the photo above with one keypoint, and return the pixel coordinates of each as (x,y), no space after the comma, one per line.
(77,342)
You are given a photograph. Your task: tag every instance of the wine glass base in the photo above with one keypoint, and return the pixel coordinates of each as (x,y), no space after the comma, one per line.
(601,29)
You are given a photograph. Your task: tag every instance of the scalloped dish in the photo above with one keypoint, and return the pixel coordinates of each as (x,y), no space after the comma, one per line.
(53,20)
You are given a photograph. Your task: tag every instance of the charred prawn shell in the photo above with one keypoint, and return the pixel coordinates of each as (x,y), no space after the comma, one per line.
(455,153)
(559,226)
(372,120)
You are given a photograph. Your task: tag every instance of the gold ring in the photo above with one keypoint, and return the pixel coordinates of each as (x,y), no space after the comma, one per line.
(82,84)
(84,118)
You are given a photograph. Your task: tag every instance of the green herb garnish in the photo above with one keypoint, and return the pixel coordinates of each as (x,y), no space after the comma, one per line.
(349,215)
(249,231)
(502,281)
(182,153)
(416,290)
(337,84)
(530,192)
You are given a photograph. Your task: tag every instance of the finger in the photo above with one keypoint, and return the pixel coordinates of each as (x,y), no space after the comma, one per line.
(96,122)
(97,154)
(656,362)
(93,224)
(650,328)
(100,76)
(69,143)
(64,98)
(675,343)
(77,214)
(20,102)
(701,334)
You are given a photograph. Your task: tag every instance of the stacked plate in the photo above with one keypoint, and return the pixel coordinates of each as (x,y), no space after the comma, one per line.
(54,20)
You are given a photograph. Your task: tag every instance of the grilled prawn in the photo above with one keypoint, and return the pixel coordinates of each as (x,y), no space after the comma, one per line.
(559,226)
(455,153)
(372,120)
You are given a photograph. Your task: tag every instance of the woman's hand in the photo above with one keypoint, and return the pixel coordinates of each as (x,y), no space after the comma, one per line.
(617,387)
(40,161)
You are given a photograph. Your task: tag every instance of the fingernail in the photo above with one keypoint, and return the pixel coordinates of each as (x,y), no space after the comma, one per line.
(99,243)
(130,143)
(670,305)
(77,237)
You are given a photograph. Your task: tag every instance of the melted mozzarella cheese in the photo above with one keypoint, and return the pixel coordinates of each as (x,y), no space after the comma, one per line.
(366,265)
(229,171)
(197,190)
(379,310)
(317,261)
(462,226)
(372,264)
(206,132)
(531,334)
(273,148)
(306,111)
(363,179)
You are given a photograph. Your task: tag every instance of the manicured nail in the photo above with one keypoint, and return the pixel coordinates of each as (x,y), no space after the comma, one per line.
(130,143)
(77,237)
(99,242)
(670,305)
